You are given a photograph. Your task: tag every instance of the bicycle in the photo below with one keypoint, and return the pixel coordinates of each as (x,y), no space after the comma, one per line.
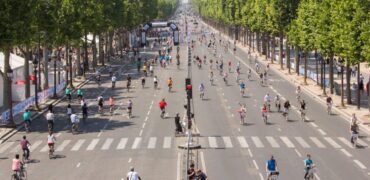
(264,117)
(201,95)
(311,173)
(273,175)
(303,115)
(74,129)
(129,112)
(242,118)
(24,157)
(21,174)
(27,126)
(162,113)
(328,108)
(51,151)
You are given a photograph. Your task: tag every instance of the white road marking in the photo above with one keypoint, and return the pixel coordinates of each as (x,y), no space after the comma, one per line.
(129,160)
(317,142)
(136,143)
(78,145)
(178,167)
(143,125)
(78,165)
(261,176)
(346,152)
(45,148)
(35,145)
(107,144)
(146,118)
(152,141)
(212,142)
(203,162)
(302,142)
(272,142)
(148,113)
(345,141)
(167,142)
(322,132)
(63,145)
(227,142)
(92,145)
(361,142)
(287,142)
(314,124)
(243,142)
(100,133)
(122,143)
(298,153)
(255,164)
(257,142)
(15,149)
(58,134)
(6,146)
(250,153)
(332,142)
(359,163)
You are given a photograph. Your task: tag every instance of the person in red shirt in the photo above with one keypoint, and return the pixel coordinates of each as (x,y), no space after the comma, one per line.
(24,145)
(162,104)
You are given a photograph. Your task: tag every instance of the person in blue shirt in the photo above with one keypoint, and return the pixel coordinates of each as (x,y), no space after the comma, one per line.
(307,164)
(27,117)
(271,166)
(242,88)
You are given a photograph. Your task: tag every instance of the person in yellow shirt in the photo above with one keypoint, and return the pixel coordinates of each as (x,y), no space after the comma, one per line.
(169,83)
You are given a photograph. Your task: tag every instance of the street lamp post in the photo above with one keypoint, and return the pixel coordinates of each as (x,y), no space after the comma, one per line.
(9,74)
(342,87)
(35,62)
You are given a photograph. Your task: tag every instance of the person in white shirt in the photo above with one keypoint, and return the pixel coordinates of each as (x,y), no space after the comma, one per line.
(114,81)
(50,119)
(133,175)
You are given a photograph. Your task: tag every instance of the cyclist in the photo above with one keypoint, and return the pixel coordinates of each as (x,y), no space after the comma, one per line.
(143,82)
(249,73)
(238,67)
(329,103)
(225,77)
(277,102)
(50,120)
(84,112)
(354,132)
(242,88)
(303,110)
(110,69)
(133,175)
(286,109)
(271,167)
(264,112)
(145,69)
(261,79)
(74,121)
(128,82)
(68,93)
(169,83)
(155,80)
(27,118)
(129,107)
(100,103)
(24,145)
(211,77)
(79,93)
(201,90)
(69,112)
(151,69)
(162,106)
(111,104)
(229,63)
(242,111)
(114,78)
(308,163)
(257,66)
(51,141)
(98,76)
(267,101)
(17,165)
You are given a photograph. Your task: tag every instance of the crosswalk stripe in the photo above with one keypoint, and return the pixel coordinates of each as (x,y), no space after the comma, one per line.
(257,142)
(287,142)
(92,145)
(317,142)
(167,142)
(243,142)
(6,146)
(152,141)
(227,141)
(16,149)
(361,142)
(63,145)
(35,145)
(136,143)
(345,141)
(272,142)
(45,148)
(212,142)
(302,142)
(78,145)
(107,144)
(122,143)
(332,142)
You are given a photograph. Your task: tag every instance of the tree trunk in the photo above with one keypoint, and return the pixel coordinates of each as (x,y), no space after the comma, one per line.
(94,60)
(78,61)
(257,42)
(101,51)
(26,72)
(66,66)
(358,87)
(305,66)
(46,67)
(331,74)
(296,59)
(287,55)
(110,40)
(6,82)
(348,83)
(281,49)
(273,45)
(317,68)
(106,43)
(86,58)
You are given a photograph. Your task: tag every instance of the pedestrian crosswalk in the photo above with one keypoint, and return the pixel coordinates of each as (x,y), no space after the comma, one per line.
(211,142)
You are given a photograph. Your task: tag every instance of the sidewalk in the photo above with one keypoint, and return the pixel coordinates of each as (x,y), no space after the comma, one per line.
(18,119)
(315,90)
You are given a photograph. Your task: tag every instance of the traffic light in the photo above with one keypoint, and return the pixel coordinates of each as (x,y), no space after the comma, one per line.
(188,88)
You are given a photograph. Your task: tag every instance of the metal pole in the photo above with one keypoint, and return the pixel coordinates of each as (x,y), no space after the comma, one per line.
(36,96)
(358,87)
(11,120)
(342,88)
(55,79)
(38,65)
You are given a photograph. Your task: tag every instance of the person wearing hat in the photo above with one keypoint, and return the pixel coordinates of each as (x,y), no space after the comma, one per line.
(133,175)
